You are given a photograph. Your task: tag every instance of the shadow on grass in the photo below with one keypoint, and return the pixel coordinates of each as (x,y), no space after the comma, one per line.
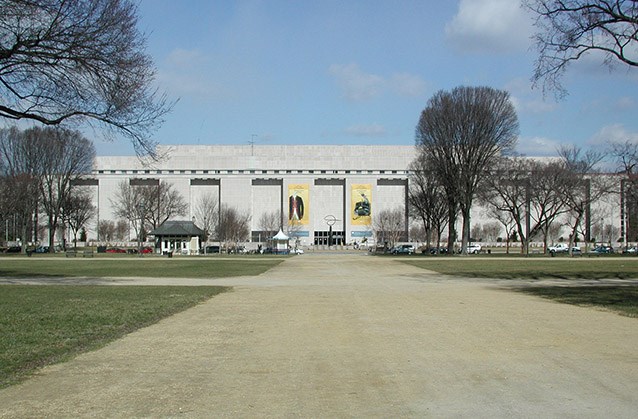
(621,299)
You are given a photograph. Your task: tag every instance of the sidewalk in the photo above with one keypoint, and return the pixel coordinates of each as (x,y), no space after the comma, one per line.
(352,336)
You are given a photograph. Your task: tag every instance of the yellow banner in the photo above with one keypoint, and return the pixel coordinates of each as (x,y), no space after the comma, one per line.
(361,208)
(298,204)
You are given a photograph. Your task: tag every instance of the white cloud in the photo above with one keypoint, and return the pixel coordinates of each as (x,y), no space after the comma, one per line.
(537,147)
(625,103)
(404,84)
(527,100)
(372,130)
(490,26)
(183,58)
(614,133)
(185,74)
(358,86)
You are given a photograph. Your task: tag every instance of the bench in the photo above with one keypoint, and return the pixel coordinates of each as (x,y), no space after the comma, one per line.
(70,253)
(87,254)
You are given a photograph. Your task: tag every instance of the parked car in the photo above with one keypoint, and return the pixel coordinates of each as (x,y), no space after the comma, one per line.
(13,249)
(115,250)
(42,249)
(474,249)
(211,249)
(433,250)
(602,249)
(403,249)
(562,248)
(135,250)
(631,250)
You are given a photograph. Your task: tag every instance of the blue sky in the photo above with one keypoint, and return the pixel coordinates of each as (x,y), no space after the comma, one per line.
(361,72)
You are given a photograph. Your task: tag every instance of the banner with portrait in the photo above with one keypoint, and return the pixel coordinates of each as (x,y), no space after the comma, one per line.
(361,207)
(298,204)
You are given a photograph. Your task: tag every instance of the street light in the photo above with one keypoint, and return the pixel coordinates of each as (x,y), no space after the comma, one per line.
(141,212)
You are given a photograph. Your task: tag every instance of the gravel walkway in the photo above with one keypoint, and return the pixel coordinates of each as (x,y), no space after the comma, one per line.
(342,335)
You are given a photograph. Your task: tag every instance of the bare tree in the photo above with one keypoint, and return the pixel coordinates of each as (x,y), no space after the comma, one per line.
(491,230)
(476,232)
(388,225)
(79,61)
(105,230)
(460,134)
(626,156)
(570,29)
(20,158)
(581,189)
(506,219)
(427,200)
(77,211)
(128,204)
(270,223)
(206,212)
(161,203)
(68,156)
(121,231)
(233,227)
(147,207)
(530,191)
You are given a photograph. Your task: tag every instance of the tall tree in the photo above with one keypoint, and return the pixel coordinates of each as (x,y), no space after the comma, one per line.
(270,223)
(460,134)
(581,189)
(570,29)
(105,230)
(233,227)
(128,204)
(162,203)
(530,191)
(626,155)
(206,212)
(19,164)
(78,210)
(389,226)
(427,200)
(79,61)
(68,156)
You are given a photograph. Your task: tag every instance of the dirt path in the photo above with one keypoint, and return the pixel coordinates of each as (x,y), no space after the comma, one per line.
(352,336)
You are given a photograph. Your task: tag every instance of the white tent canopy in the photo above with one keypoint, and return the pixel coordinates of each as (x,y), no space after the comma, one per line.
(280,236)
(281,242)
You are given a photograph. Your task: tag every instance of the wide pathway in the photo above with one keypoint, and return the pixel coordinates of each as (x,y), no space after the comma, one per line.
(352,336)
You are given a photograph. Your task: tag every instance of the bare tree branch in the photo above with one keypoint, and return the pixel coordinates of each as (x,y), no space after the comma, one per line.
(78,61)
(570,29)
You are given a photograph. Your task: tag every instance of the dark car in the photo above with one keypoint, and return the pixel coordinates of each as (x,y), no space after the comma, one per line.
(602,249)
(13,249)
(212,249)
(433,250)
(404,249)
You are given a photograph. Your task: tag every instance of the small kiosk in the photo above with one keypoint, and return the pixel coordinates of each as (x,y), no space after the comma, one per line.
(280,243)
(181,237)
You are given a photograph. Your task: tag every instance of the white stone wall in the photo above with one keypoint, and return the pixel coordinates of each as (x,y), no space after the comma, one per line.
(235,168)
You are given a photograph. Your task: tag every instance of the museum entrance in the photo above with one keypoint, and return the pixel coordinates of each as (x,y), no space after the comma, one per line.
(322,238)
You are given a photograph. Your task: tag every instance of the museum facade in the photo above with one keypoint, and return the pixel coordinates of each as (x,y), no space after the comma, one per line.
(321,192)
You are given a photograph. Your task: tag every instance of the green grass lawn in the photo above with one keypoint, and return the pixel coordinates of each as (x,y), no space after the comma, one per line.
(530,268)
(40,325)
(205,267)
(619,299)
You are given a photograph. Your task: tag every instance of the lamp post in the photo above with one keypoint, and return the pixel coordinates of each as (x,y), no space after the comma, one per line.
(205,236)
(330,220)
(140,210)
